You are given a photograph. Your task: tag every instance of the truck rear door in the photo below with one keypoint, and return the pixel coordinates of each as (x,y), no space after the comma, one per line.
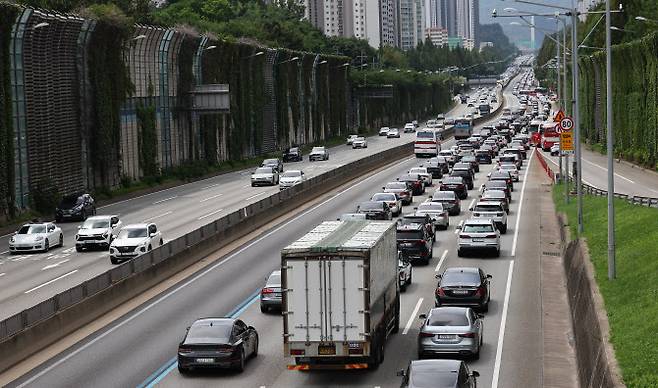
(325,299)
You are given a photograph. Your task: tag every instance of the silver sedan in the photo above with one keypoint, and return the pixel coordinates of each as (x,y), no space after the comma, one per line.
(450,331)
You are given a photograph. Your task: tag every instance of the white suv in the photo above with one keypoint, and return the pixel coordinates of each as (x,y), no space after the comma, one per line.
(97,232)
(478,234)
(134,240)
(492,210)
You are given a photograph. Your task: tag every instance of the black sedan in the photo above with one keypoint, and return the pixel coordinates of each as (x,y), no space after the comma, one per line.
(375,210)
(217,343)
(75,207)
(463,286)
(435,168)
(293,154)
(438,374)
(277,164)
(449,201)
(416,182)
(456,184)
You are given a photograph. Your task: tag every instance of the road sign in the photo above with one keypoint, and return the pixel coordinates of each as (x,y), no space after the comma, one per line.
(566,124)
(566,142)
(559,116)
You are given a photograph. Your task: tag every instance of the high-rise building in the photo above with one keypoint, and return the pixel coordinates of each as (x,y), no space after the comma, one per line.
(438,36)
(411,23)
(372,20)
(467,21)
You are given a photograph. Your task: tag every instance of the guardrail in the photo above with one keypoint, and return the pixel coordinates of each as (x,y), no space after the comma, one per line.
(38,326)
(593,190)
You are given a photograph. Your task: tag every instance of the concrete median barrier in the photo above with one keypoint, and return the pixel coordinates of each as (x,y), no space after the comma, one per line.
(32,330)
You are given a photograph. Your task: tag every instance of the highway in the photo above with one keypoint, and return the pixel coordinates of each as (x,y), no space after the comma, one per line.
(30,278)
(138,348)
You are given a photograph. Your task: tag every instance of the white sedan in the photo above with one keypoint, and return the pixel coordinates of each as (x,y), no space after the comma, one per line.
(291,178)
(264,176)
(359,142)
(135,240)
(511,169)
(393,200)
(36,237)
(393,132)
(422,171)
(383,131)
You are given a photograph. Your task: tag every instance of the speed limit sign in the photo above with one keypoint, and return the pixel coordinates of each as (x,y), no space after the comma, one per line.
(566,124)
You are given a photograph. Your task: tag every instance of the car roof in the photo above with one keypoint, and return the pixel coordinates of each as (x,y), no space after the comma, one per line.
(36,223)
(413,226)
(135,226)
(102,217)
(214,319)
(437,365)
(478,221)
(463,269)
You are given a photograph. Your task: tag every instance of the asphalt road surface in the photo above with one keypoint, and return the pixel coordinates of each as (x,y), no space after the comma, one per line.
(139,348)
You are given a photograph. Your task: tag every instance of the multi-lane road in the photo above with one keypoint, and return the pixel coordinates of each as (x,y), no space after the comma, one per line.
(27,279)
(138,348)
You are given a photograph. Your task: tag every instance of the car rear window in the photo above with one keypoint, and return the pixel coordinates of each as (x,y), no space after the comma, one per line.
(487,208)
(430,206)
(383,197)
(396,186)
(371,206)
(409,235)
(458,277)
(425,135)
(209,332)
(448,318)
(408,220)
(477,228)
(274,279)
(264,170)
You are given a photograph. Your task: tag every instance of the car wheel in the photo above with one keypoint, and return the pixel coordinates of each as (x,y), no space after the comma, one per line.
(161,242)
(503,229)
(264,309)
(61,240)
(403,287)
(498,252)
(78,249)
(476,356)
(240,366)
(113,260)
(411,272)
(46,246)
(485,308)
(183,370)
(255,352)
(459,253)
(253,185)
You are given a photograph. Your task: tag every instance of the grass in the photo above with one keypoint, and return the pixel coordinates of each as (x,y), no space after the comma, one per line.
(631,300)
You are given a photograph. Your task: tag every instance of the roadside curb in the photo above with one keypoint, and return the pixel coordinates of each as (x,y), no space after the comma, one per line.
(559,367)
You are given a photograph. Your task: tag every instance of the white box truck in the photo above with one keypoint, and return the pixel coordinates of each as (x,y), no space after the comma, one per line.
(341,295)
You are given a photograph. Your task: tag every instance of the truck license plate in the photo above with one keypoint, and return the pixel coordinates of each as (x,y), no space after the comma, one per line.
(326,350)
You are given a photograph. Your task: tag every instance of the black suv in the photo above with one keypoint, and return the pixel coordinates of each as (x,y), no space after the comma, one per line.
(413,218)
(466,175)
(293,154)
(415,243)
(75,206)
(456,184)
(435,168)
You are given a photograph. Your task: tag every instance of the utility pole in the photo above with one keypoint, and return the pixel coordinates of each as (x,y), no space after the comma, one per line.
(576,114)
(610,147)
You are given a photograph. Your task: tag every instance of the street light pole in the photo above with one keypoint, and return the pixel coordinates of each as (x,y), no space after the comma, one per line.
(610,147)
(576,114)
(559,86)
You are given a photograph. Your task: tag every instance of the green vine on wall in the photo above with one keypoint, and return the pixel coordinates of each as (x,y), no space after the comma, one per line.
(147,139)
(8,14)
(111,85)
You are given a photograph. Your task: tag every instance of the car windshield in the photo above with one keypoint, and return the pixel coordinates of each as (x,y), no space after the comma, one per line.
(292,174)
(132,233)
(371,206)
(270,161)
(409,235)
(383,197)
(508,167)
(408,220)
(408,177)
(418,170)
(487,208)
(453,180)
(494,194)
(317,149)
(396,186)
(459,277)
(215,332)
(70,202)
(448,318)
(438,195)
(477,228)
(359,139)
(264,170)
(96,224)
(32,229)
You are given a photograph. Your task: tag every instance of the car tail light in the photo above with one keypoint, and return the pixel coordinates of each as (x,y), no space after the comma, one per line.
(440,292)
(476,214)
(479,291)
(499,214)
(267,291)
(461,185)
(297,352)
(421,242)
(464,236)
(425,335)
(182,349)
(490,236)
(467,335)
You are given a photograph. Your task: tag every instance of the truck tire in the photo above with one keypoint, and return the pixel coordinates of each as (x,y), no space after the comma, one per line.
(396,324)
(377,357)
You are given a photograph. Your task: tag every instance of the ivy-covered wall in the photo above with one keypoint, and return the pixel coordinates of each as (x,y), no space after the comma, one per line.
(635,100)
(8,14)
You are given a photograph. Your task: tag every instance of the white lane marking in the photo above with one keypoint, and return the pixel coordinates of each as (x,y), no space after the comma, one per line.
(209,198)
(2,274)
(20,258)
(2,253)
(70,250)
(501,332)
(54,265)
(413,316)
(461,223)
(210,186)
(210,214)
(254,196)
(472,203)
(518,215)
(245,186)
(443,257)
(605,169)
(165,200)
(51,281)
(158,216)
(197,277)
